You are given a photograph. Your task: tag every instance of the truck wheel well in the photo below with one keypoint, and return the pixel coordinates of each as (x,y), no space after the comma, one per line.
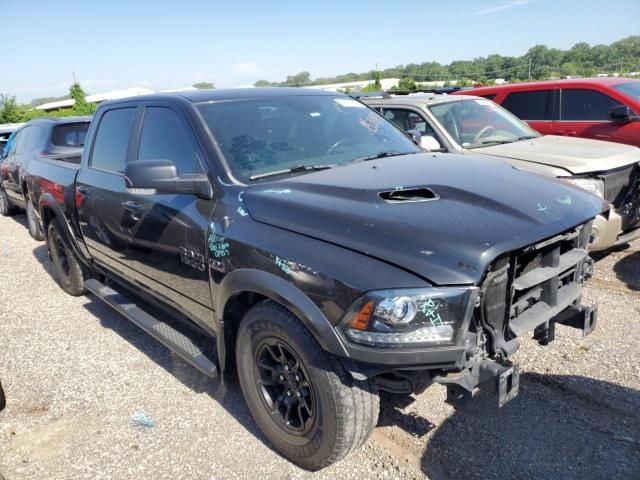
(234,311)
(47,215)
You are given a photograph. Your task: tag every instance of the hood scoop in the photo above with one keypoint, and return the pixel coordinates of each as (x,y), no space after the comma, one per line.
(409,195)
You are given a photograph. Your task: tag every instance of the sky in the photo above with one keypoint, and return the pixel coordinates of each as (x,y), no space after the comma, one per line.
(162,44)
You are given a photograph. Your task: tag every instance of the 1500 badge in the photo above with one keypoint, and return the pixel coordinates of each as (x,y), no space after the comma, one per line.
(192,259)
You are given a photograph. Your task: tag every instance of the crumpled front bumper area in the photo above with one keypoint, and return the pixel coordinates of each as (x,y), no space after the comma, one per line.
(502,377)
(531,290)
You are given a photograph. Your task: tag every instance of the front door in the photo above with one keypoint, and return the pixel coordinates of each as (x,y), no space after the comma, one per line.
(585,113)
(167,247)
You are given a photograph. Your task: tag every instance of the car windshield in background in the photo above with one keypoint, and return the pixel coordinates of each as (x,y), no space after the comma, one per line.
(70,134)
(477,123)
(285,135)
(631,89)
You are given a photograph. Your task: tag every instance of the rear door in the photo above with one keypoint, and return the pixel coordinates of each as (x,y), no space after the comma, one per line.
(167,245)
(585,113)
(101,189)
(536,107)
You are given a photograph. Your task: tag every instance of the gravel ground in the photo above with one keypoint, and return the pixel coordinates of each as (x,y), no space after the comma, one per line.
(74,373)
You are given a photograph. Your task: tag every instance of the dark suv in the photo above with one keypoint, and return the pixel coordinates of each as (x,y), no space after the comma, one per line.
(48,138)
(319,249)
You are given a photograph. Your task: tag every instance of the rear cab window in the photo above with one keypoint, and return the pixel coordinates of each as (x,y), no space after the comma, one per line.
(109,150)
(70,134)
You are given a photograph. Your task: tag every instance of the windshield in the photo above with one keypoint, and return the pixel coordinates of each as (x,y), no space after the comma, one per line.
(267,135)
(631,89)
(478,123)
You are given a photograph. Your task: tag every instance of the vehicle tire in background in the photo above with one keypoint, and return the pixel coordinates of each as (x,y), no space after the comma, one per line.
(6,209)
(35,230)
(302,398)
(66,267)
(3,400)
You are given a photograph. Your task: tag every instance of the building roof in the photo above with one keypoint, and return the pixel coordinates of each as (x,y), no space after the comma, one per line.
(99,97)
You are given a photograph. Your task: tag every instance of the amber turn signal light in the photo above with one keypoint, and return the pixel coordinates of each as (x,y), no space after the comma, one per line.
(361,320)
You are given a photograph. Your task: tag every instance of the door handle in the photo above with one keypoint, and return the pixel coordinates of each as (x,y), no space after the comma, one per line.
(134,209)
(83,190)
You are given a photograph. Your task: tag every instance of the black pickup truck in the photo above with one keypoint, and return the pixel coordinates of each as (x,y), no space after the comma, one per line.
(324,254)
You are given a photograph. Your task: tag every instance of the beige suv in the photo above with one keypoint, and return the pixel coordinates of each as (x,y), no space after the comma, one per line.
(467,124)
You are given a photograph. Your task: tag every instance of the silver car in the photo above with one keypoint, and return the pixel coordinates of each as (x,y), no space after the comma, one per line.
(465,124)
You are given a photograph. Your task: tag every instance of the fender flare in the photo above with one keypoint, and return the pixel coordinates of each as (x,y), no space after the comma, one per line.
(283,292)
(48,202)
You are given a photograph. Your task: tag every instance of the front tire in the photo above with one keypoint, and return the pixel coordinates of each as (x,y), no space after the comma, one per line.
(301,397)
(32,220)
(6,209)
(66,267)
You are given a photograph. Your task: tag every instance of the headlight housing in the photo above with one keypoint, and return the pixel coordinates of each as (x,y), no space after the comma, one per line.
(410,317)
(592,185)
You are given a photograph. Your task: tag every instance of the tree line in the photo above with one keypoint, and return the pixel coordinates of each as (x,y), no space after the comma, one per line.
(539,63)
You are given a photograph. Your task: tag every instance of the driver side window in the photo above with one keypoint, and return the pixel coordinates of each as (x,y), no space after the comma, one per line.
(165,138)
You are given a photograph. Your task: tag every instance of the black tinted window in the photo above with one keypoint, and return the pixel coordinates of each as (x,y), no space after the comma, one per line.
(165,138)
(579,104)
(528,105)
(490,96)
(70,135)
(112,138)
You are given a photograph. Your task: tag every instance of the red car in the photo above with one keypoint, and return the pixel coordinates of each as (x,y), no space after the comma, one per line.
(599,108)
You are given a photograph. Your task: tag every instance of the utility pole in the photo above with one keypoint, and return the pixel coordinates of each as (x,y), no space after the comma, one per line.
(529,68)
(73,74)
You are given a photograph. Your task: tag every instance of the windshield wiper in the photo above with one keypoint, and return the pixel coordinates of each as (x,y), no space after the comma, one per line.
(382,155)
(296,169)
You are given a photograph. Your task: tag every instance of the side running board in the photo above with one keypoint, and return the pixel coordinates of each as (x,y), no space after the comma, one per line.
(161,331)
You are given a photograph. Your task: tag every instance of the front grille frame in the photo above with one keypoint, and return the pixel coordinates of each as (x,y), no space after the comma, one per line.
(529,287)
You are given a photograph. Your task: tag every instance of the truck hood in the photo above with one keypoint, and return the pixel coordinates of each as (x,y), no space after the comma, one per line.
(481,208)
(575,155)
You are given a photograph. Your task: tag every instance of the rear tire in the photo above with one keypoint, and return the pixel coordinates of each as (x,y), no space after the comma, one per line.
(6,209)
(35,230)
(302,398)
(66,267)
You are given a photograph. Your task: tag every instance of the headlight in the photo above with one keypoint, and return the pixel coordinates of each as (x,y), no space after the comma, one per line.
(589,184)
(410,317)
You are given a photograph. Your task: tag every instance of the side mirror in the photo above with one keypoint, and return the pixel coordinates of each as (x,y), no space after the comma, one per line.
(621,114)
(161,176)
(430,143)
(415,135)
